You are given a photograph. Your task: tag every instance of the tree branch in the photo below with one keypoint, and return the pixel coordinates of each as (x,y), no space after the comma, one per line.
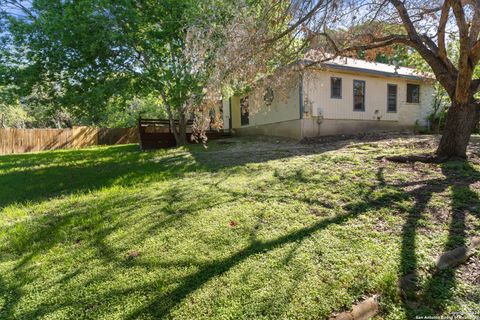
(442,51)
(475,25)
(465,64)
(443,73)
(306,17)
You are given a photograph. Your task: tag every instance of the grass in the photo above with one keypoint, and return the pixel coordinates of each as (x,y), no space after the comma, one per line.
(261,229)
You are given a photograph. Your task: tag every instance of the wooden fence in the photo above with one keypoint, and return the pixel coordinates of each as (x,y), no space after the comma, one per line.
(30,140)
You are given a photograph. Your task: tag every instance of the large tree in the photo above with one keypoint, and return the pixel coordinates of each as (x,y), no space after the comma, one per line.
(185,50)
(79,54)
(326,29)
(83,53)
(423,26)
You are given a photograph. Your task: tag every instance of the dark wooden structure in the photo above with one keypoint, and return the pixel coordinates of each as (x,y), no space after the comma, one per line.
(157,133)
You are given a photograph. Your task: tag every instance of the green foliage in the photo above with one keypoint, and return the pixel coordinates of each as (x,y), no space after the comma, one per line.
(90,56)
(13,116)
(11,112)
(125,114)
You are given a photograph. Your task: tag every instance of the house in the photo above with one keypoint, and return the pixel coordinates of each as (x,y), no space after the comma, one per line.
(342,96)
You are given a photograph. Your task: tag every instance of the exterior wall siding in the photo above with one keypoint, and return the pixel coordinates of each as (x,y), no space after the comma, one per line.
(318,101)
(324,115)
(283,108)
(410,113)
(328,127)
(290,129)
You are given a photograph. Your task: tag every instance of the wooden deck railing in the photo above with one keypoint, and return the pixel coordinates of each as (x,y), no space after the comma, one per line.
(156,133)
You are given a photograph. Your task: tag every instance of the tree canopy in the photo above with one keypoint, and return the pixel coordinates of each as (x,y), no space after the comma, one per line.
(84,54)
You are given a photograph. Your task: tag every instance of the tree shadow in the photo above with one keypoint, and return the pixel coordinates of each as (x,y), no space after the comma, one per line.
(37,177)
(49,230)
(163,304)
(438,290)
(427,299)
(40,176)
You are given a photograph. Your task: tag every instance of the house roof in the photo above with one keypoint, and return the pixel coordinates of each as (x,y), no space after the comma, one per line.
(374,68)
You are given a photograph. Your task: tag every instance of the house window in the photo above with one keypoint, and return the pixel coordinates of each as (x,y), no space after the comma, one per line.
(268,97)
(358,95)
(244,120)
(336,88)
(413,93)
(392,98)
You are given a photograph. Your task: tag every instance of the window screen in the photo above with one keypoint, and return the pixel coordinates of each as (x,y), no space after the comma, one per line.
(336,88)
(392,98)
(244,120)
(358,95)
(413,93)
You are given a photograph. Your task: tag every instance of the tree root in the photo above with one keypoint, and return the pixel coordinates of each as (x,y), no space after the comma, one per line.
(424,158)
(360,311)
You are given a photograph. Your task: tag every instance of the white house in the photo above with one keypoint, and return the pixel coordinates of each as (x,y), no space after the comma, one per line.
(342,96)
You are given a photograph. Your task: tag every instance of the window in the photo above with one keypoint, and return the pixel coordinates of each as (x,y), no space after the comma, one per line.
(268,97)
(336,88)
(358,95)
(392,98)
(413,93)
(244,120)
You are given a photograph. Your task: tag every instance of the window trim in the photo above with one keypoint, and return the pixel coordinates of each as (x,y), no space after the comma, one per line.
(413,102)
(331,88)
(364,95)
(396,97)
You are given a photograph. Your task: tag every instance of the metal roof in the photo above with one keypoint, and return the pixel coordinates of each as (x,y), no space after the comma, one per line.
(374,68)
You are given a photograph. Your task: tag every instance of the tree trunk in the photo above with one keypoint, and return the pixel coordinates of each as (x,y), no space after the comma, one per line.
(182,130)
(460,123)
(180,135)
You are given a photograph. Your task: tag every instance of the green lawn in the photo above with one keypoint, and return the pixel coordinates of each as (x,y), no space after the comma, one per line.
(244,229)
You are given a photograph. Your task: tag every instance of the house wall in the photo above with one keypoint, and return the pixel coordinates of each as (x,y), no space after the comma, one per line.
(327,127)
(284,107)
(318,101)
(290,128)
(323,115)
(226,113)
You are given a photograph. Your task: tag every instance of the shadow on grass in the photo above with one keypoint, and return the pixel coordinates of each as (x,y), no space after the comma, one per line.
(125,165)
(429,299)
(51,230)
(37,177)
(40,176)
(163,304)
(109,215)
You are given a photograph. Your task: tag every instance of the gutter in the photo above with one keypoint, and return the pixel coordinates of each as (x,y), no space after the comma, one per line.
(374,72)
(340,67)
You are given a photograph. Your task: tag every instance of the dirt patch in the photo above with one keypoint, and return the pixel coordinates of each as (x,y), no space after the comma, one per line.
(470,271)
(424,158)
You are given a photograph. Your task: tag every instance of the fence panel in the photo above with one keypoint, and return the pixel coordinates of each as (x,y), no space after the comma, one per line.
(84,137)
(14,140)
(111,136)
